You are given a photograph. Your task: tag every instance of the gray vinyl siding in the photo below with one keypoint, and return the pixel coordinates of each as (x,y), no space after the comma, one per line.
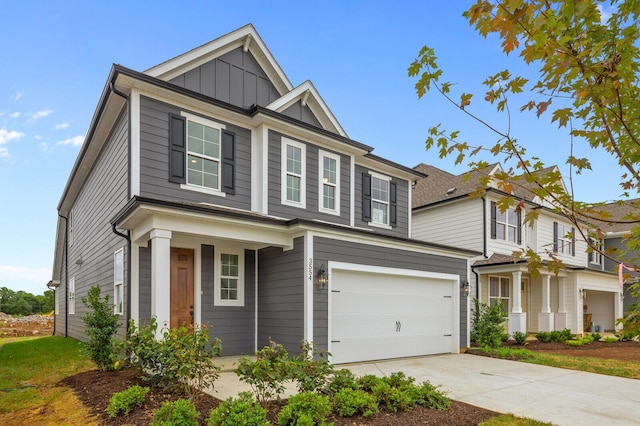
(326,249)
(616,247)
(402,227)
(144,285)
(235,77)
(281,296)
(311,211)
(302,113)
(104,193)
(154,160)
(233,325)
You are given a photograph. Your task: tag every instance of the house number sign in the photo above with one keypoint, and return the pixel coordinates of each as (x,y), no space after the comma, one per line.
(310,272)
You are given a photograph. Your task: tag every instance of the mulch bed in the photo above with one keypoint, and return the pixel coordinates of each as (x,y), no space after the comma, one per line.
(94,388)
(623,351)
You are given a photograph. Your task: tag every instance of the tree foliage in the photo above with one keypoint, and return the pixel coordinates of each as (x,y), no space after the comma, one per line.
(23,303)
(587,81)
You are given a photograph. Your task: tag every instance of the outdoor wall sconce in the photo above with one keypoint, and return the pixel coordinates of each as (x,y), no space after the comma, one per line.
(79,262)
(465,289)
(583,293)
(322,278)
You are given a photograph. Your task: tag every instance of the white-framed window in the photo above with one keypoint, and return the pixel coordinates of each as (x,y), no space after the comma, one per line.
(596,256)
(499,291)
(379,199)
(229,276)
(118,281)
(329,182)
(204,146)
(72,296)
(564,239)
(507,225)
(293,173)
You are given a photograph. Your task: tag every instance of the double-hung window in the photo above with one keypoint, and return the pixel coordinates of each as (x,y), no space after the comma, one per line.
(506,225)
(72,296)
(564,239)
(329,168)
(293,173)
(118,281)
(203,154)
(499,291)
(229,280)
(596,256)
(379,200)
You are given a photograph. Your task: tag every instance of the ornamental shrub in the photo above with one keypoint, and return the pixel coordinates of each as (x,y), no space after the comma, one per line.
(125,401)
(101,324)
(487,324)
(180,412)
(305,408)
(241,411)
(349,402)
(341,379)
(268,373)
(520,337)
(311,369)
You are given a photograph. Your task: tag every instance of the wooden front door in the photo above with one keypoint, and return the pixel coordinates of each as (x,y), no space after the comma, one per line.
(181,287)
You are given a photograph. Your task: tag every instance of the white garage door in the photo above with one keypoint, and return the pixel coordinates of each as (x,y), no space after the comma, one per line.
(384,315)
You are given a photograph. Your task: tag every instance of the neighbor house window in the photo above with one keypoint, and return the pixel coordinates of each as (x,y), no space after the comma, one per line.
(293,173)
(118,281)
(596,256)
(499,291)
(505,225)
(229,287)
(329,168)
(564,239)
(72,296)
(203,154)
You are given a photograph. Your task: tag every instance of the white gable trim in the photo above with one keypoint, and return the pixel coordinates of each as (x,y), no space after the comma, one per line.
(246,37)
(308,94)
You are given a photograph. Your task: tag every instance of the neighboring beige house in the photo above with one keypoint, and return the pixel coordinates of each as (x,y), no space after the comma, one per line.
(581,293)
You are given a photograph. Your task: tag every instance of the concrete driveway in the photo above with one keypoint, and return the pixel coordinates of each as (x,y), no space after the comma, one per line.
(555,395)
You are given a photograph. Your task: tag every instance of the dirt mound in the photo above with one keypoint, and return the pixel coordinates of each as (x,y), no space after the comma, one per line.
(31,325)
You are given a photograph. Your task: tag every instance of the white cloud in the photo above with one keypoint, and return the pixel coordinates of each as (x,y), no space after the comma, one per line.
(4,154)
(14,114)
(32,280)
(62,126)
(604,15)
(43,147)
(75,141)
(9,135)
(17,96)
(41,114)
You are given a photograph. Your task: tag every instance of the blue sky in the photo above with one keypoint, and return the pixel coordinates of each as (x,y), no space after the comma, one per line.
(56,56)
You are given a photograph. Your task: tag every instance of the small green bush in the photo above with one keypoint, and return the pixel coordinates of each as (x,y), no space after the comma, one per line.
(520,337)
(368,382)
(630,323)
(596,336)
(393,399)
(101,324)
(241,411)
(610,339)
(311,369)
(349,402)
(305,409)
(487,324)
(180,412)
(125,401)
(341,379)
(554,336)
(429,396)
(581,341)
(398,380)
(268,373)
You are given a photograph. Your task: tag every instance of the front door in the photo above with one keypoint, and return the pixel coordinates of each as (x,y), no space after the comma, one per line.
(181,287)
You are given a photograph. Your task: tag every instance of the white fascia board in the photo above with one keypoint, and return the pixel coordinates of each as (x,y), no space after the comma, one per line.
(384,168)
(315,103)
(61,231)
(218,47)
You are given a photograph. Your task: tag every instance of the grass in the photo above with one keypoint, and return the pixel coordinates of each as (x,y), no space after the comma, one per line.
(610,367)
(511,420)
(29,372)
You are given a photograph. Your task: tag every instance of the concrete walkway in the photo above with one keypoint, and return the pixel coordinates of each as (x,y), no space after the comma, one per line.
(555,395)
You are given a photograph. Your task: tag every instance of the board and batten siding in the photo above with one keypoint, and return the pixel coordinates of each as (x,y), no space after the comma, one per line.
(235,77)
(90,256)
(233,325)
(154,160)
(281,296)
(302,113)
(276,208)
(402,197)
(144,271)
(328,249)
(455,224)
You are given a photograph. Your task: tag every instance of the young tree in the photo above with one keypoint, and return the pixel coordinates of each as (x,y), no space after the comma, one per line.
(588,65)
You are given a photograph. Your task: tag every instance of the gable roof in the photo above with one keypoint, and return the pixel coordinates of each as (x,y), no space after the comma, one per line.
(620,210)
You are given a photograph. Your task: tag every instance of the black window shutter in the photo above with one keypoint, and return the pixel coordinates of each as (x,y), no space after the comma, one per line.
(228,162)
(519,220)
(393,204)
(177,149)
(555,237)
(573,241)
(493,220)
(366,197)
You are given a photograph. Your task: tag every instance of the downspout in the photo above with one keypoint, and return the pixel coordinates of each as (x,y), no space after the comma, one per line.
(66,276)
(115,231)
(477,283)
(484,227)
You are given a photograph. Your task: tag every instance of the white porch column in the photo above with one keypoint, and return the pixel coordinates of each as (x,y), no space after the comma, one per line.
(618,308)
(545,317)
(517,318)
(160,277)
(560,319)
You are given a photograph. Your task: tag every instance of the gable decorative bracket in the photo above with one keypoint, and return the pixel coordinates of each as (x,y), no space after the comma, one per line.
(247,42)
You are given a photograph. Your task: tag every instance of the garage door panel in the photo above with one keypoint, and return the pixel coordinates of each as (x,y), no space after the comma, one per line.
(378,316)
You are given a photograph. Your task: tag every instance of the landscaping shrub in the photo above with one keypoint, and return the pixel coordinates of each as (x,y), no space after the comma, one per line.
(368,382)
(610,339)
(305,409)
(349,402)
(487,324)
(101,324)
(393,399)
(125,401)
(180,412)
(596,336)
(554,336)
(241,411)
(630,325)
(341,379)
(267,374)
(311,369)
(520,337)
(430,397)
